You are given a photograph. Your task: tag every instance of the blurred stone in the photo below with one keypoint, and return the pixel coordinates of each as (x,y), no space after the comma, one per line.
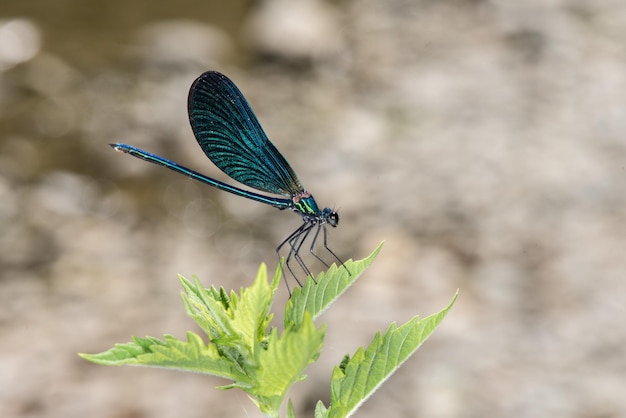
(20,41)
(180,42)
(66,194)
(295,31)
(50,75)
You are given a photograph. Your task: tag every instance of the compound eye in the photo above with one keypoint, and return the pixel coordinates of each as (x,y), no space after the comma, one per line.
(333,219)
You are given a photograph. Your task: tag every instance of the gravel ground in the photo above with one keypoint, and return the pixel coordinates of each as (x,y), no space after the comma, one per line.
(482,140)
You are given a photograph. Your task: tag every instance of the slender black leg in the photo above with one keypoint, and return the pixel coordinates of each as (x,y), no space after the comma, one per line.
(334,255)
(312,249)
(294,241)
(296,244)
(314,240)
(295,234)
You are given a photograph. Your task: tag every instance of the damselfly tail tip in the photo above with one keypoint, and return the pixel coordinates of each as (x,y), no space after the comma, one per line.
(118,148)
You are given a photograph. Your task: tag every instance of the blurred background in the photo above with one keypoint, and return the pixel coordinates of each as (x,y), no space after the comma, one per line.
(482,140)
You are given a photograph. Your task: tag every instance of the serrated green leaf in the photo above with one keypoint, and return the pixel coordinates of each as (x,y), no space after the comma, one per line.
(369,368)
(250,311)
(191,355)
(316,296)
(207,308)
(320,410)
(237,323)
(240,347)
(284,361)
(290,412)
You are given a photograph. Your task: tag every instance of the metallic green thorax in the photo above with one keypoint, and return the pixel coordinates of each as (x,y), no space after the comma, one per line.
(305,204)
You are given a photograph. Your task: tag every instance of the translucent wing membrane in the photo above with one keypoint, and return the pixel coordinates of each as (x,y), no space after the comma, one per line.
(230,135)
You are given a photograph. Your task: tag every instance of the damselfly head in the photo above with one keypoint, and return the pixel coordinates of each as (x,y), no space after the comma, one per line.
(331,217)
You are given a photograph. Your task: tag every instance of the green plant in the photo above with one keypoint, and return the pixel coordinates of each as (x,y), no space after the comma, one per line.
(244,348)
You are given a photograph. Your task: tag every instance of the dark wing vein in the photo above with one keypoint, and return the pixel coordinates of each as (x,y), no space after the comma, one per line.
(230,135)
